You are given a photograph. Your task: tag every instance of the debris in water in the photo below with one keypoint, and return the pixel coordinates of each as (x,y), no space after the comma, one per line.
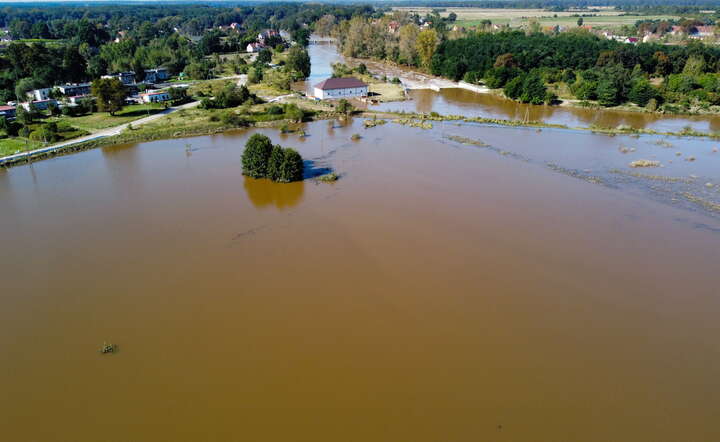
(690,159)
(108,348)
(645,163)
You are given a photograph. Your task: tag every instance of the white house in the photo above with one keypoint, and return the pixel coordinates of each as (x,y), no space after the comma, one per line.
(39,94)
(340,88)
(39,104)
(255,47)
(156,75)
(155,96)
(127,78)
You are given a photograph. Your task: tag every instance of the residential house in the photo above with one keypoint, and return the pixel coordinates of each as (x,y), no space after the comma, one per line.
(127,78)
(156,75)
(255,47)
(74,89)
(266,34)
(393,26)
(155,96)
(39,94)
(340,88)
(76,98)
(702,31)
(7,112)
(39,104)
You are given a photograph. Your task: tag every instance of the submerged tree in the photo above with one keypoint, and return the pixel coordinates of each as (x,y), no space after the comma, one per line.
(263,160)
(256,155)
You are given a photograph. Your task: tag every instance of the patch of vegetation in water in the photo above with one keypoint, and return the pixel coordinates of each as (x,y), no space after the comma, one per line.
(328,177)
(374,122)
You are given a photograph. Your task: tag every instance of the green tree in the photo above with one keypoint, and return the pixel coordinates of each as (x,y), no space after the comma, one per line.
(256,155)
(534,91)
(607,92)
(427,42)
(298,60)
(292,167)
(580,21)
(514,88)
(23,116)
(641,92)
(277,156)
(110,94)
(344,107)
(264,56)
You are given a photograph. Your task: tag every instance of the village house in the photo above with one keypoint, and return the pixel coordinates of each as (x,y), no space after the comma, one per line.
(156,75)
(39,94)
(702,32)
(39,104)
(264,35)
(74,89)
(155,96)
(7,112)
(255,47)
(340,88)
(126,78)
(75,99)
(393,27)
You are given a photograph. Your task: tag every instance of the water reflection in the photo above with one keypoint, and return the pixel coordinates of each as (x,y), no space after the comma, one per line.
(265,193)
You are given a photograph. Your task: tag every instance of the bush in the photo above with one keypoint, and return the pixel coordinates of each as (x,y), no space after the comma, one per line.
(263,160)
(275,110)
(277,156)
(256,155)
(292,167)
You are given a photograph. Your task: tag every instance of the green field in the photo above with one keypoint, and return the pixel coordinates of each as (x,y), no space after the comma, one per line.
(9,146)
(603,21)
(103,120)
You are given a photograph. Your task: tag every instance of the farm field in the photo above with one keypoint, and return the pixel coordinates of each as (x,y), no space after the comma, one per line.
(604,17)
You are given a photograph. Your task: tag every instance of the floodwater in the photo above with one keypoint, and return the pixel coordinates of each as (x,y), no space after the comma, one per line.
(438,291)
(457,101)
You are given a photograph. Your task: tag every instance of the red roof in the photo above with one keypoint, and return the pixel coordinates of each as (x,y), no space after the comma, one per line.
(340,83)
(6,108)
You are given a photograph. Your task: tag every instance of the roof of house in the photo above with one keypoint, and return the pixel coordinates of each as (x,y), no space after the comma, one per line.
(155,93)
(340,83)
(6,108)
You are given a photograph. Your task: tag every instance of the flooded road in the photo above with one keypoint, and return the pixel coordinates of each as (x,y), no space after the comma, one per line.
(437,291)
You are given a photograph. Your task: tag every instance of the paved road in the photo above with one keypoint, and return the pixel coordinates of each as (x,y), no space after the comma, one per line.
(110,131)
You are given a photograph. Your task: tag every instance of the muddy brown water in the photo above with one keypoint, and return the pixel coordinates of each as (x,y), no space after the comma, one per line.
(456,101)
(437,292)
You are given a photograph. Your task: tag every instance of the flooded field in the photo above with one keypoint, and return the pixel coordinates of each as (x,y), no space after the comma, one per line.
(457,101)
(519,287)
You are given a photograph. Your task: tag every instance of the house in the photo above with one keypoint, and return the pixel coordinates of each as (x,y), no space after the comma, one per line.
(156,75)
(235,26)
(126,77)
(703,31)
(7,112)
(74,89)
(39,94)
(340,88)
(255,47)
(631,40)
(155,96)
(264,35)
(76,98)
(39,104)
(393,27)
(676,30)
(121,35)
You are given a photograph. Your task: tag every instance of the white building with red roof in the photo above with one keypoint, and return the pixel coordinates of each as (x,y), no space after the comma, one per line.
(340,88)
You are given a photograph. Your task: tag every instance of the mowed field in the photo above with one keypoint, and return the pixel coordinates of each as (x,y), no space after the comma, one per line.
(603,18)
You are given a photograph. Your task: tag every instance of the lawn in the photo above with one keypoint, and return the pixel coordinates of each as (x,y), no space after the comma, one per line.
(102,120)
(9,146)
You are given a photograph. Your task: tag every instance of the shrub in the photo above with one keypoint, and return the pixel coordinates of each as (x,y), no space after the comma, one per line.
(256,155)
(292,167)
(263,160)
(277,156)
(275,110)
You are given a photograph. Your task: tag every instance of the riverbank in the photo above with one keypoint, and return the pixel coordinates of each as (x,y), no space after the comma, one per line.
(413,79)
(191,122)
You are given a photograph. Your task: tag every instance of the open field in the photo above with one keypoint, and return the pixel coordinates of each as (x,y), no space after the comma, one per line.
(602,17)
(9,146)
(102,120)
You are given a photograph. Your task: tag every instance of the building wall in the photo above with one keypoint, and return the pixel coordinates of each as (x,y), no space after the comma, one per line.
(341,93)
